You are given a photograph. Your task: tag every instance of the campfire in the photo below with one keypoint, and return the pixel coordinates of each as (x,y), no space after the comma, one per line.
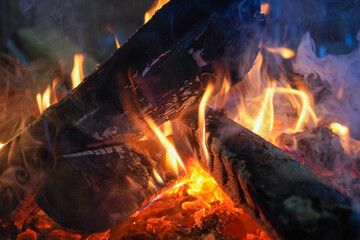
(196,128)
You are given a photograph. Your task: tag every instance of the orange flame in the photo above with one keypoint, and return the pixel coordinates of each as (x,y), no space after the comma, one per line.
(77,73)
(265,8)
(284,52)
(109,29)
(154,7)
(43,100)
(158,177)
(172,157)
(351,146)
(339,129)
(117,42)
(265,105)
(1,145)
(202,109)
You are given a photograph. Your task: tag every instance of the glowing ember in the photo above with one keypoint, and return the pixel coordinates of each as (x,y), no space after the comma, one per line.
(154,7)
(282,51)
(77,74)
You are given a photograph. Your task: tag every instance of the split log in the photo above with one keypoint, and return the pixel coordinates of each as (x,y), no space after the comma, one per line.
(286,198)
(157,71)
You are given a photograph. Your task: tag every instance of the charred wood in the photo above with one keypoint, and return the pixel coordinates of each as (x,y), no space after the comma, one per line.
(157,72)
(286,198)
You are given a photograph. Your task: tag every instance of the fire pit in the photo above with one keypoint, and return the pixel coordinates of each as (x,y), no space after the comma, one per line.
(198,127)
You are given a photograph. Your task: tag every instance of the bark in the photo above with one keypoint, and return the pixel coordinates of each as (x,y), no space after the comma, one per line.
(286,198)
(158,71)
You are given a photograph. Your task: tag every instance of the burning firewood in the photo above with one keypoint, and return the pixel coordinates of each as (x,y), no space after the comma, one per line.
(288,199)
(157,72)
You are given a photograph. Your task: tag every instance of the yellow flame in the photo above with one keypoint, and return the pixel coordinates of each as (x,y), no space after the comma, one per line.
(266,112)
(283,51)
(157,177)
(265,8)
(202,109)
(269,107)
(306,109)
(43,100)
(117,42)
(154,7)
(109,29)
(339,129)
(77,74)
(350,146)
(172,157)
(1,145)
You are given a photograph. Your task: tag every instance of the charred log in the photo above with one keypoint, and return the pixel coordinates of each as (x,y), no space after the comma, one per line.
(286,198)
(157,72)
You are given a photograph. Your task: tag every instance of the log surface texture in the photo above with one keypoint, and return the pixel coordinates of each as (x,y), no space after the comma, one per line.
(288,199)
(158,71)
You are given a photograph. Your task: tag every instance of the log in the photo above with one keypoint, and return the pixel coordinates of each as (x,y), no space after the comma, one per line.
(93,190)
(158,71)
(286,198)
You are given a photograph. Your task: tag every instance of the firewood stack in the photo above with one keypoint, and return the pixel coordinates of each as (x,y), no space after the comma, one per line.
(80,161)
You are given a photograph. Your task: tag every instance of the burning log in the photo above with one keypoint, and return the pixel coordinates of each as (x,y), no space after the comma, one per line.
(157,72)
(286,198)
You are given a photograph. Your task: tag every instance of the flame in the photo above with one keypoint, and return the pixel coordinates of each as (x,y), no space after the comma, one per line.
(77,74)
(265,8)
(172,157)
(117,42)
(204,187)
(109,29)
(284,52)
(43,100)
(269,107)
(351,146)
(154,7)
(158,177)
(202,109)
(1,145)
(339,129)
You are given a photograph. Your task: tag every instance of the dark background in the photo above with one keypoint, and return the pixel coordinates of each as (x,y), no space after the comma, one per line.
(332,23)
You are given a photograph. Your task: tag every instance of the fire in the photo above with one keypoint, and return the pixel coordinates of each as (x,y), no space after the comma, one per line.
(202,109)
(172,157)
(265,8)
(117,42)
(109,29)
(49,97)
(269,107)
(158,177)
(154,7)
(203,187)
(284,52)
(77,74)
(1,145)
(43,100)
(351,146)
(339,129)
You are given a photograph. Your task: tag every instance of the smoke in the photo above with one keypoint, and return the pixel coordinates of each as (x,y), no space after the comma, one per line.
(84,22)
(335,80)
